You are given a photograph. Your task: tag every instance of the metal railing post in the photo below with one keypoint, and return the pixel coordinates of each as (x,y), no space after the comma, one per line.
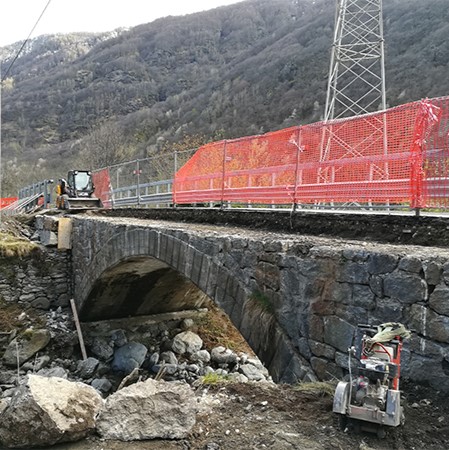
(138,182)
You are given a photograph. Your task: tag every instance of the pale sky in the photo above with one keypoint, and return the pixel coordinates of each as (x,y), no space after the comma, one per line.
(17,17)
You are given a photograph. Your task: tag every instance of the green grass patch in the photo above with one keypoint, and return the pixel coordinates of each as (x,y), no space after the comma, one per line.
(261,300)
(13,246)
(214,378)
(321,388)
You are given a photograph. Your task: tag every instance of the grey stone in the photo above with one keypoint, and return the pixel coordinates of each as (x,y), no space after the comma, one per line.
(193,368)
(356,255)
(446,272)
(48,238)
(148,410)
(353,272)
(258,365)
(342,360)
(439,299)
(408,288)
(376,285)
(27,344)
(102,385)
(53,372)
(86,369)
(340,292)
(387,310)
(37,363)
(354,314)
(428,323)
(410,264)
(338,333)
(325,370)
(6,337)
(202,356)
(154,359)
(222,355)
(118,337)
(186,342)
(102,348)
(169,357)
(363,296)
(432,273)
(251,372)
(238,377)
(186,324)
(41,303)
(320,349)
(381,263)
(62,300)
(129,357)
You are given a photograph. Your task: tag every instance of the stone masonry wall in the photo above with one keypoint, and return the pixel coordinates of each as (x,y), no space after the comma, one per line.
(297,300)
(41,280)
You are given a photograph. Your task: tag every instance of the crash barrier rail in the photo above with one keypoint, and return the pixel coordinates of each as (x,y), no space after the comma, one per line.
(32,196)
(396,158)
(142,182)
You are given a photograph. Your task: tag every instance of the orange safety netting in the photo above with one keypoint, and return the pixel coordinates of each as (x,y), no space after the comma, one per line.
(6,201)
(102,183)
(435,159)
(375,158)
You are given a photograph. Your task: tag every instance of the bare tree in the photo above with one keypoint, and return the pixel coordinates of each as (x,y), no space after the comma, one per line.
(105,146)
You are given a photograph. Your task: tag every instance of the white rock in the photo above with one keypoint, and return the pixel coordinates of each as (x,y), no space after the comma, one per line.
(186,342)
(45,411)
(148,410)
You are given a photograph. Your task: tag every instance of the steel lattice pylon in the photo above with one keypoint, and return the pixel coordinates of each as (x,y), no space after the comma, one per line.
(356,82)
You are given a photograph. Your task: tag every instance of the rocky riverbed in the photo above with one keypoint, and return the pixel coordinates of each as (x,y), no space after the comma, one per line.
(230,401)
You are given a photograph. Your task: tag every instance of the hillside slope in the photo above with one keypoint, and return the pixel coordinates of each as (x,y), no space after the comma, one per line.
(248,68)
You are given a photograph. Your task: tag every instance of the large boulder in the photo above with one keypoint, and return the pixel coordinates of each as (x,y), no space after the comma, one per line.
(25,346)
(129,357)
(148,410)
(45,411)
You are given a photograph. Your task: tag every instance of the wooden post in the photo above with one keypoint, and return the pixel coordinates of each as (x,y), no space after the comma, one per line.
(78,329)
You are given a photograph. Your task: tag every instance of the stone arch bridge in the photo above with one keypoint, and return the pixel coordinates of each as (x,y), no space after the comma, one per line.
(296,299)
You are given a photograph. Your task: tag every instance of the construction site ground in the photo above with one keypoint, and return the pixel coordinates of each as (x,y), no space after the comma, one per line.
(281,417)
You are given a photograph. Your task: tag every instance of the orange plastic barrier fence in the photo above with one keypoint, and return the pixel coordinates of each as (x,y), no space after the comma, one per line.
(6,201)
(102,183)
(375,158)
(435,160)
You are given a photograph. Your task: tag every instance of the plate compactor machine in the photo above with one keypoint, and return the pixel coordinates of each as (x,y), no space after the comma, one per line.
(371,399)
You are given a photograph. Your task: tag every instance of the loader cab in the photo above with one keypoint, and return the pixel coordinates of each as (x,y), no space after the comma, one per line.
(81,183)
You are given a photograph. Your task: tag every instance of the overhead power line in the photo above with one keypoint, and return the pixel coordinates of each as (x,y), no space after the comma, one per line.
(25,42)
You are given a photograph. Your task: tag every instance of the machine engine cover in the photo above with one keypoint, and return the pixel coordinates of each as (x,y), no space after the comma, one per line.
(377,369)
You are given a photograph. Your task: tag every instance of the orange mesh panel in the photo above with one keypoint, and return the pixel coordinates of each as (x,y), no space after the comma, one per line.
(102,183)
(201,178)
(361,159)
(375,158)
(435,188)
(6,201)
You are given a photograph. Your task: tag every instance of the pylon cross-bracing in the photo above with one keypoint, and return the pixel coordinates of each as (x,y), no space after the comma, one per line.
(356,83)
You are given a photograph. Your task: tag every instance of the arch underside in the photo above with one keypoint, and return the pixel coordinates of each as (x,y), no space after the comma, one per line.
(140,286)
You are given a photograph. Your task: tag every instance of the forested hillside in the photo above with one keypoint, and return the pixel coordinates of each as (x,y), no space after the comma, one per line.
(248,68)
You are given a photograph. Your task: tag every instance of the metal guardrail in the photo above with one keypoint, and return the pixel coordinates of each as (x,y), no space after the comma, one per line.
(29,196)
(141,194)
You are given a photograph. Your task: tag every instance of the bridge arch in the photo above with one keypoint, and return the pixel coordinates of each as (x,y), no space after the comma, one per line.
(124,270)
